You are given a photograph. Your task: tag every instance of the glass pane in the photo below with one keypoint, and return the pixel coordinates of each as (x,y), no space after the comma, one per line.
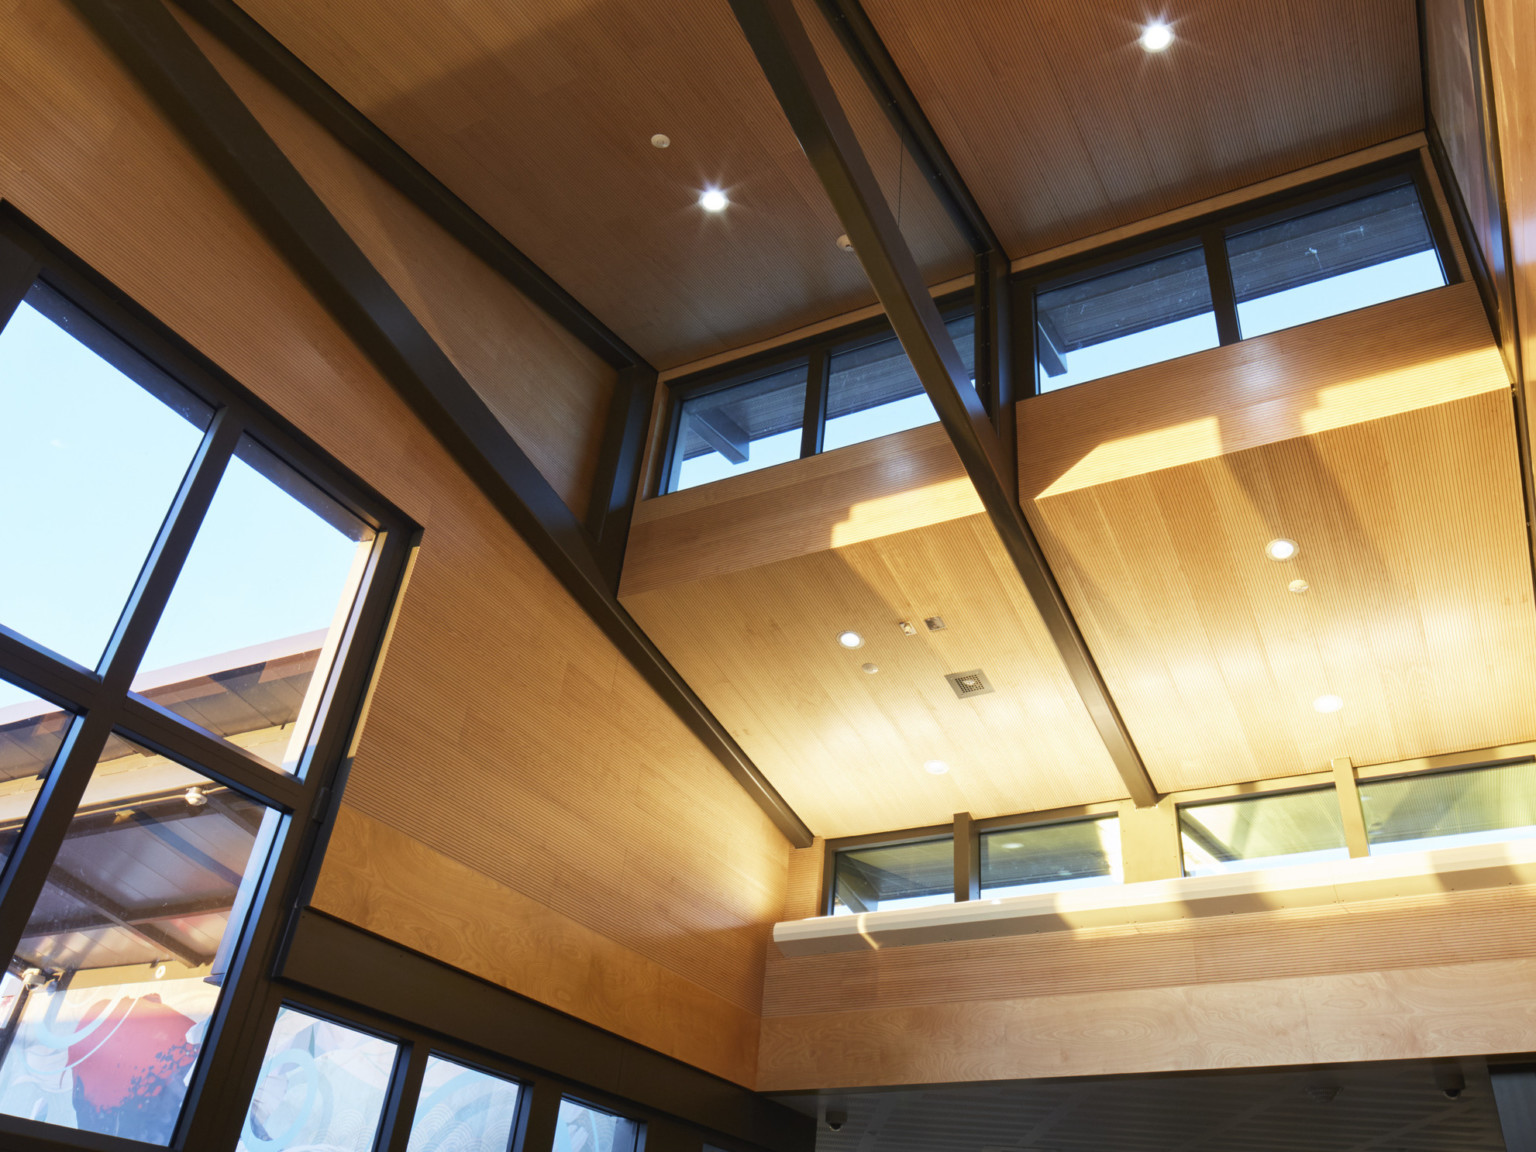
(462,1110)
(1051,858)
(1262,832)
(31,731)
(321,1087)
(1336,260)
(1449,809)
(874,390)
(94,443)
(740,429)
(1123,320)
(123,950)
(894,876)
(583,1129)
(247,637)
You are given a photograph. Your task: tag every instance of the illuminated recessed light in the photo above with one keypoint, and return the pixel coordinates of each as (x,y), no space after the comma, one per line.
(870,669)
(1328,703)
(1156,36)
(937,767)
(661,140)
(850,640)
(1298,586)
(1281,549)
(713,200)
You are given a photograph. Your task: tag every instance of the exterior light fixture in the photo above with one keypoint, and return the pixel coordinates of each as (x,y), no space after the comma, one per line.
(935,767)
(1281,549)
(195,797)
(850,639)
(714,200)
(1328,703)
(1156,36)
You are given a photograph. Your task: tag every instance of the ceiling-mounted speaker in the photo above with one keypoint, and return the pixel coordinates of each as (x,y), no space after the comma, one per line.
(972,683)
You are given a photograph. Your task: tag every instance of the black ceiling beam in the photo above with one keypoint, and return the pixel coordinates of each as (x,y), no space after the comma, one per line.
(784,51)
(616,486)
(160,54)
(296,80)
(869,54)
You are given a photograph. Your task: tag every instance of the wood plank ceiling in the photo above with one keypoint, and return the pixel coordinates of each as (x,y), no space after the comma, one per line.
(540,117)
(1062,127)
(746,584)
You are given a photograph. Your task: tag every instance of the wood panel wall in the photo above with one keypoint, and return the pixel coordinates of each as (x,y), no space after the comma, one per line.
(1457,103)
(516,774)
(1437,976)
(547,388)
(1511,27)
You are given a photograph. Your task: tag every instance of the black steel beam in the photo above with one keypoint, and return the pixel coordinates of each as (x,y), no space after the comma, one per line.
(196,98)
(784,51)
(616,486)
(266,55)
(869,54)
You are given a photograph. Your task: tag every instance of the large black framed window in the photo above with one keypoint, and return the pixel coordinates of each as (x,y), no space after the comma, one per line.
(191,598)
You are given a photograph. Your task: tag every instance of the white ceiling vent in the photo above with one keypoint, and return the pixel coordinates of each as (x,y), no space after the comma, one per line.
(973,683)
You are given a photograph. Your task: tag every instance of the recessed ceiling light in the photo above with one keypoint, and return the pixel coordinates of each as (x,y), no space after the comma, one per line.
(844,243)
(850,639)
(1298,586)
(870,669)
(1156,36)
(661,140)
(1281,549)
(1328,703)
(713,200)
(936,767)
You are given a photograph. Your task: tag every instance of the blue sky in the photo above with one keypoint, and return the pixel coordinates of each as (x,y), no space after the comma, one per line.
(89,465)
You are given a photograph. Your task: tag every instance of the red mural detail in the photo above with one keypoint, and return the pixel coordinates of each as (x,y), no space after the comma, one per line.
(139,1049)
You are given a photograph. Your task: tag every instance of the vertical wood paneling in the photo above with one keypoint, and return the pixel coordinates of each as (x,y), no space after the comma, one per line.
(507,738)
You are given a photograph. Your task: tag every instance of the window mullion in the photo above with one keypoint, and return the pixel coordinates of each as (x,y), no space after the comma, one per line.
(47,673)
(48,824)
(169,734)
(404,1093)
(813,427)
(158,578)
(1218,272)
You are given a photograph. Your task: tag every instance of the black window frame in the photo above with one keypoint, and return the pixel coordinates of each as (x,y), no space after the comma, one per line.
(1210,231)
(102,702)
(814,352)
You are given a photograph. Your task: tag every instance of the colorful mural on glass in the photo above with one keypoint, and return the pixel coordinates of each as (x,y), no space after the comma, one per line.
(462,1110)
(110,1058)
(322,1085)
(583,1129)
